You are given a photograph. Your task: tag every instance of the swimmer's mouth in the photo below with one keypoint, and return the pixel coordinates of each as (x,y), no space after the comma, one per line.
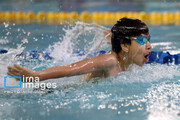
(147,57)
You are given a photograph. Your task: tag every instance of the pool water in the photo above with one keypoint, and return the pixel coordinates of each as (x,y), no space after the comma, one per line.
(151,92)
(146,92)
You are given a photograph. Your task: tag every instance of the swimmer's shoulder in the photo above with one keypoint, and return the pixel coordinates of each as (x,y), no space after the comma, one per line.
(109,58)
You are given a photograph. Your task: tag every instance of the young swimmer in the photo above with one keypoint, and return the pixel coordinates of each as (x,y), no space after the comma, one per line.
(130,45)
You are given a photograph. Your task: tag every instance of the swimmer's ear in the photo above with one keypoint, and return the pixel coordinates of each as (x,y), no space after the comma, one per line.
(125,47)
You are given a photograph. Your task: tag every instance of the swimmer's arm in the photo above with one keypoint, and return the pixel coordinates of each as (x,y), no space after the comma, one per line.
(109,42)
(94,64)
(107,34)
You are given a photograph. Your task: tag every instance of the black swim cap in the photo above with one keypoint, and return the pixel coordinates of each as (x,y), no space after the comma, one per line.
(124,29)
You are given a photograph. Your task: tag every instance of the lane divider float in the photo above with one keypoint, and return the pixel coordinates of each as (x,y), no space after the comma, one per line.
(103,18)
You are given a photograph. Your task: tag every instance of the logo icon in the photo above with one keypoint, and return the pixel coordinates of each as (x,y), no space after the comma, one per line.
(10,77)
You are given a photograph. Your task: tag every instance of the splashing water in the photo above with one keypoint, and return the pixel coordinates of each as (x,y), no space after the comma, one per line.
(82,36)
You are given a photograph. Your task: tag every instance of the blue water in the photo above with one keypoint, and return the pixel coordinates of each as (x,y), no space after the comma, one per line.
(141,92)
(150,92)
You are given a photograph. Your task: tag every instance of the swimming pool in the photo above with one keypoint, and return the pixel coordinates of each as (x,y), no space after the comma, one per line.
(149,92)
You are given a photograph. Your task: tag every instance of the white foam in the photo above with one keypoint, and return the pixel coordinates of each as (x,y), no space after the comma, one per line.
(148,73)
(3,41)
(161,44)
(163,101)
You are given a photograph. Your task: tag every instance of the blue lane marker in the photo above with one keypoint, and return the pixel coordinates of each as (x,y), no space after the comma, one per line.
(155,57)
(2,51)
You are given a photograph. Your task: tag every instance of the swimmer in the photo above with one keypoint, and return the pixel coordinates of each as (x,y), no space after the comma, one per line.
(130,42)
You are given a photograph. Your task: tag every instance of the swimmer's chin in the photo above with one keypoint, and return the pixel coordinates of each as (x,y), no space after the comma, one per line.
(140,64)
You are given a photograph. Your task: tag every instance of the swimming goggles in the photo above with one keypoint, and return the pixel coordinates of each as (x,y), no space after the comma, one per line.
(142,39)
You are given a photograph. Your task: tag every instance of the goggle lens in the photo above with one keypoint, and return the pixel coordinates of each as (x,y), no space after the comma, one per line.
(142,39)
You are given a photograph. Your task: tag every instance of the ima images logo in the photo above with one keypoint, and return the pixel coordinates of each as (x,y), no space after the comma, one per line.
(28,82)
(10,77)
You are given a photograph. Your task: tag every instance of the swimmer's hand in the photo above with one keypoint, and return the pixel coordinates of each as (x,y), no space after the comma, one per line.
(107,34)
(18,70)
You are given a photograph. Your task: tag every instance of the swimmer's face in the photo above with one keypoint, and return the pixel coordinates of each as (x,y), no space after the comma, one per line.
(138,54)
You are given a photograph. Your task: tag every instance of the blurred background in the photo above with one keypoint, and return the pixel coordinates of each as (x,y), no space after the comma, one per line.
(151,11)
(90,5)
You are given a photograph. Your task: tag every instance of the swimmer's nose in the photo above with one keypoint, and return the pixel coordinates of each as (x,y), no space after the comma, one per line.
(148,45)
